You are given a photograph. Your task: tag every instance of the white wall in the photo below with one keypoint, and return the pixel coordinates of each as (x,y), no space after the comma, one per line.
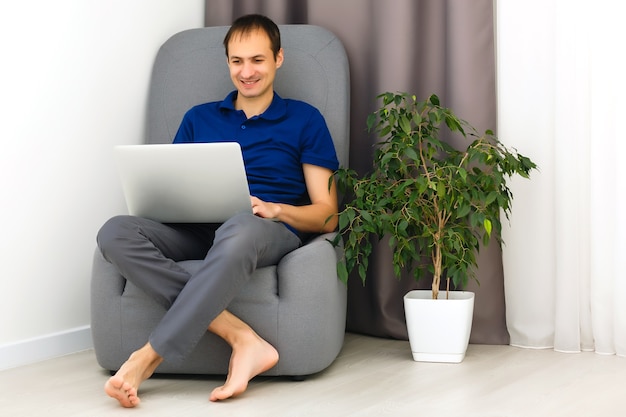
(73,83)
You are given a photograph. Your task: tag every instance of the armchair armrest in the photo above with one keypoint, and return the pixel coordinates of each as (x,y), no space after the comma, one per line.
(307,282)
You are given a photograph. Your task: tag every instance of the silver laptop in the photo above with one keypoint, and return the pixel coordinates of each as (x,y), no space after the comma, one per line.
(184,183)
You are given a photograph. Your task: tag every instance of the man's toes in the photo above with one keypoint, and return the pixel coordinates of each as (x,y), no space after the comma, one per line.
(122,391)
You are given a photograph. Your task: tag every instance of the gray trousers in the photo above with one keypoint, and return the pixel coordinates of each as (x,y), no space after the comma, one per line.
(145,252)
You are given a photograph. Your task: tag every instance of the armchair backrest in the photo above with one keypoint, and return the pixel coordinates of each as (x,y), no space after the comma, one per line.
(190,68)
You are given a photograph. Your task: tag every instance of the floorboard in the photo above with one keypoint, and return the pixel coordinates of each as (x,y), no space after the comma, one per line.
(372,377)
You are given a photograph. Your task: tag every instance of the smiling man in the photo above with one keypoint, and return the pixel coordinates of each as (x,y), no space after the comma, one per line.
(289,158)
(253,58)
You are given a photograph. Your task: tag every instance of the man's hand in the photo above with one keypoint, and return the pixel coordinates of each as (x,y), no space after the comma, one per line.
(264,209)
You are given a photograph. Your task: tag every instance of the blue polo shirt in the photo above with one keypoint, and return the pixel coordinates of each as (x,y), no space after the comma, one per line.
(274,144)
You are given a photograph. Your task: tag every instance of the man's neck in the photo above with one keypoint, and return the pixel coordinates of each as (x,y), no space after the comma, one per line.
(253,106)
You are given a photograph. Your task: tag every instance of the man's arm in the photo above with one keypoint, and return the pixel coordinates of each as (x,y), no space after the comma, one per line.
(310,218)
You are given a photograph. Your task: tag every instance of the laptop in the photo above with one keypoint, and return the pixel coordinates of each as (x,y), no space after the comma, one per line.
(184,183)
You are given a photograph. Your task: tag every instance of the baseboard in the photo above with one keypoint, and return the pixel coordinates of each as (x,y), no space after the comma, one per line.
(45,347)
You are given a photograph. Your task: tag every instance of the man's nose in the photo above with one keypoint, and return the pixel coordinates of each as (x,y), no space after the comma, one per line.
(247,70)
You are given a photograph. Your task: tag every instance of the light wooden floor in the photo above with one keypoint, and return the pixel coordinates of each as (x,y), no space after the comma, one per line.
(371,377)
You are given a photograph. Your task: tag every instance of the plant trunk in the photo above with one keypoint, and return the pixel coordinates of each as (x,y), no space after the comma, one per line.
(436,256)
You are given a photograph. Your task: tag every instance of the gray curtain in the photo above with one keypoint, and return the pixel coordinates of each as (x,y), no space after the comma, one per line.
(444,47)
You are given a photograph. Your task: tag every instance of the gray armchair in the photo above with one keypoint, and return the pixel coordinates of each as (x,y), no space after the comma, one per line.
(298,305)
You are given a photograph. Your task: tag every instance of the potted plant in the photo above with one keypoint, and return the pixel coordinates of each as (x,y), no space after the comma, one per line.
(435,203)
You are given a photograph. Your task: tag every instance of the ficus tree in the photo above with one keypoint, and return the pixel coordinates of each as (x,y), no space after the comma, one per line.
(436,203)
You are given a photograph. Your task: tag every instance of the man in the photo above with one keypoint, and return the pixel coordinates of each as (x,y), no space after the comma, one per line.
(289,158)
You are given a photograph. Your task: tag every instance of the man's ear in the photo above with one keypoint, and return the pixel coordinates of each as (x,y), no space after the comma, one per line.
(280,57)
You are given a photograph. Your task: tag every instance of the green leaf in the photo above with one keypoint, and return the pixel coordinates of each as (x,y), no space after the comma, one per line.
(488,226)
(441,189)
(342,272)
(343,221)
(363,272)
(463,174)
(411,153)
(403,226)
(371,120)
(463,211)
(453,123)
(491,198)
(405,124)
(386,157)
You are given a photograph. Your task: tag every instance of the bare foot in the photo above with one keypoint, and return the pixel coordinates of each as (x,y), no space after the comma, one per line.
(248,360)
(124,385)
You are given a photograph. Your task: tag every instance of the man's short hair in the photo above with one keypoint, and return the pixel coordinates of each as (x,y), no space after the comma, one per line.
(244,25)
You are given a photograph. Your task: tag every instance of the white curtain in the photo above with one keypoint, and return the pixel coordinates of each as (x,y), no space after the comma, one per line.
(562,102)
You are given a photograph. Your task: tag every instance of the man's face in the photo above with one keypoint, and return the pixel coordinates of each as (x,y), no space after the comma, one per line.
(252,65)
